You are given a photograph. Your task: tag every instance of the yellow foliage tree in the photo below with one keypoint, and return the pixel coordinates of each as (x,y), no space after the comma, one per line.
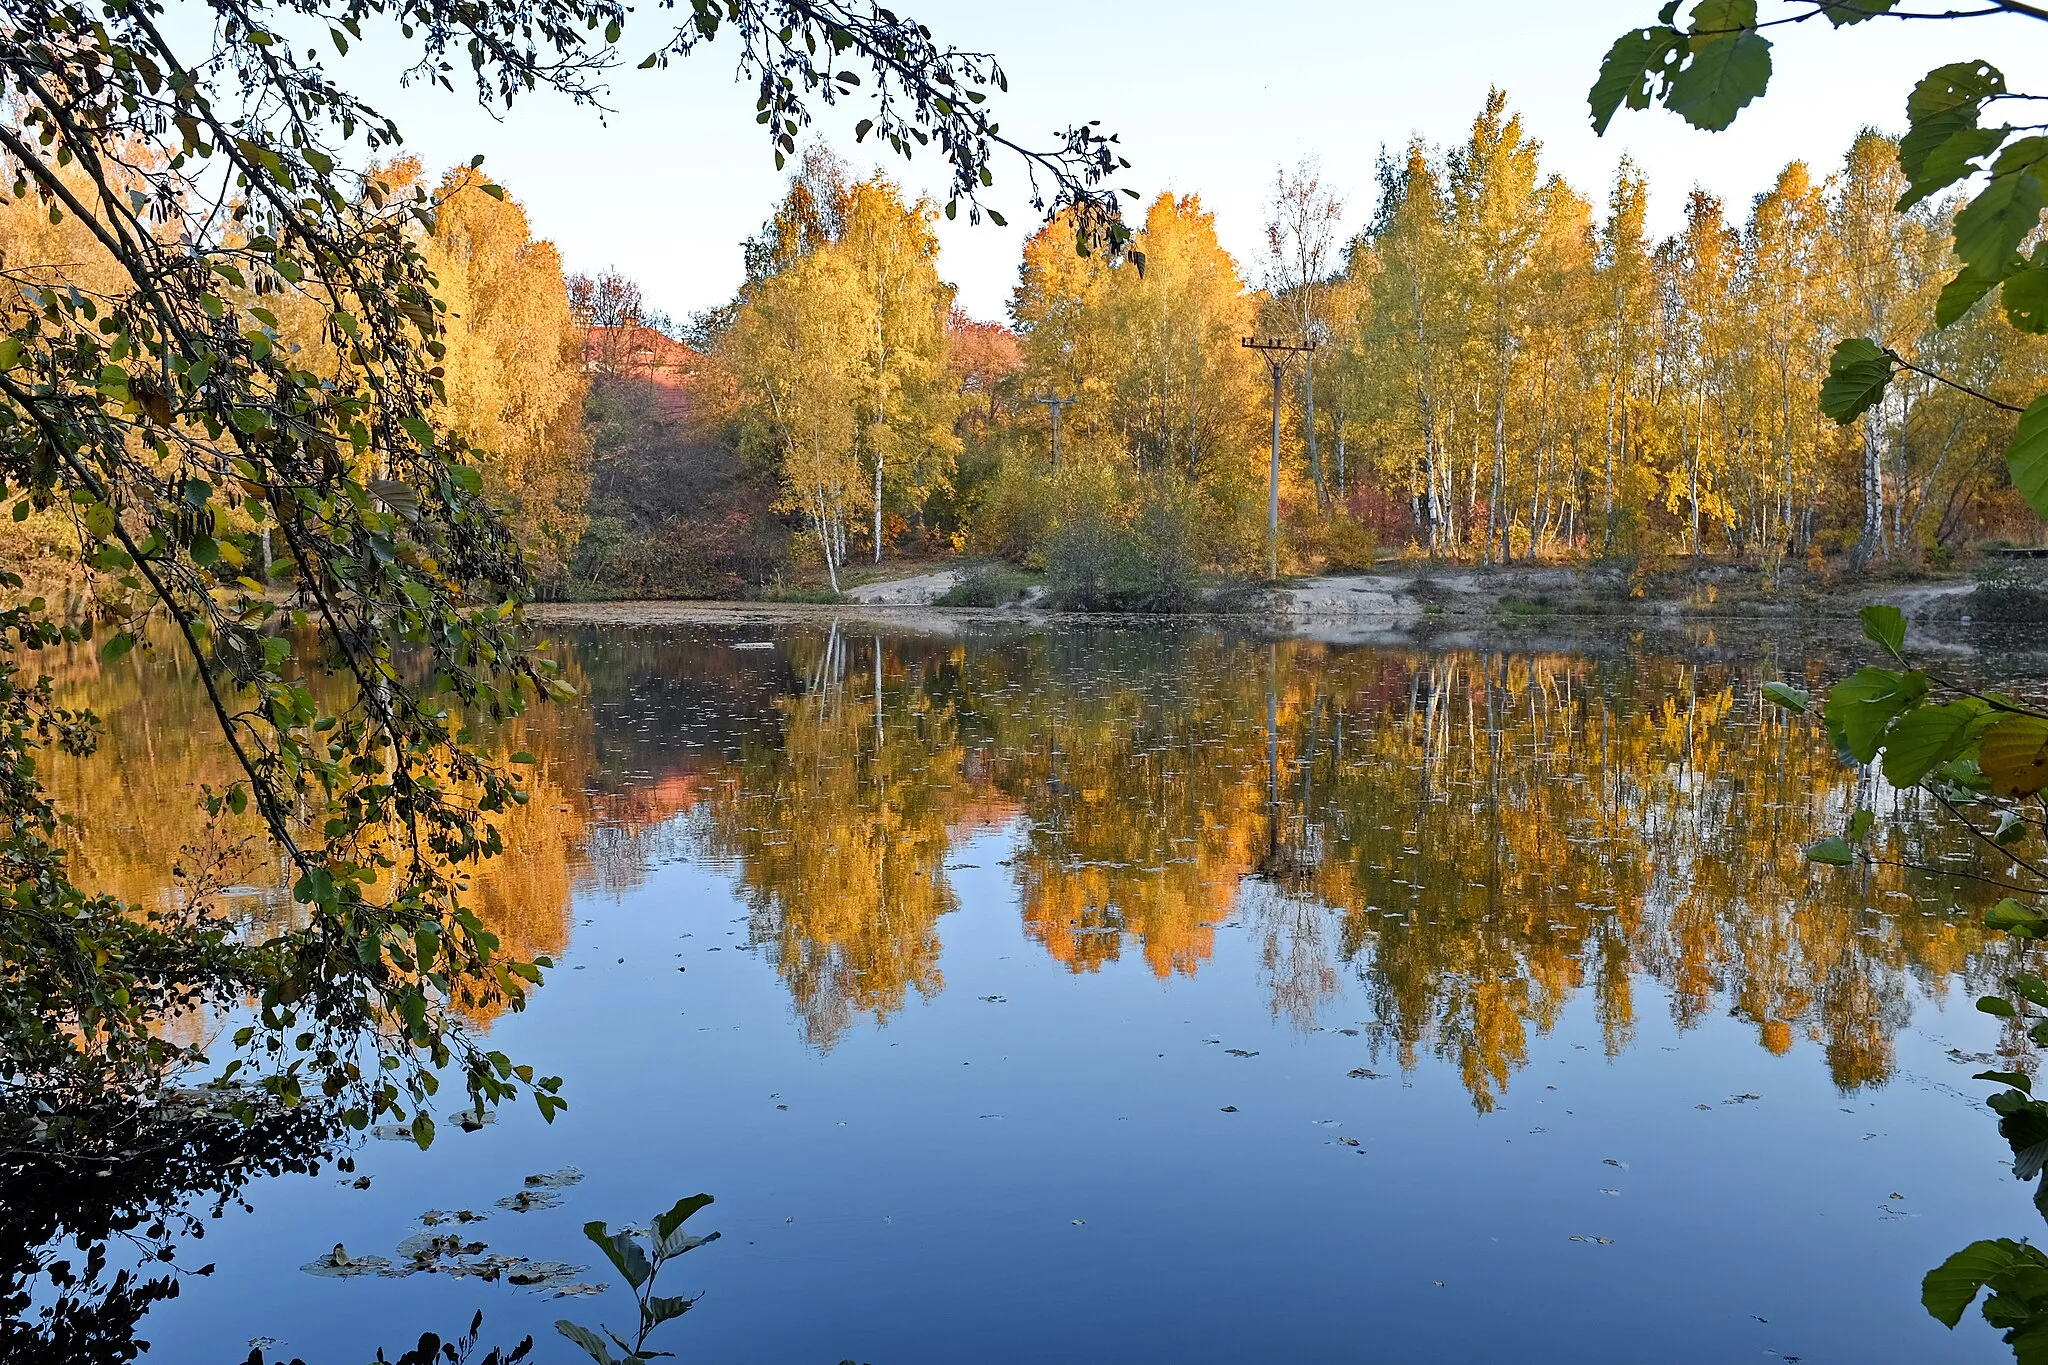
(515,376)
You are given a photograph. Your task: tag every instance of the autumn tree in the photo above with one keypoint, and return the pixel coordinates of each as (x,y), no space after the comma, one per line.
(912,402)
(801,349)
(515,378)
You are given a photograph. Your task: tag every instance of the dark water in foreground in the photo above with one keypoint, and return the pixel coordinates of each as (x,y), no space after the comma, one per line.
(1139,996)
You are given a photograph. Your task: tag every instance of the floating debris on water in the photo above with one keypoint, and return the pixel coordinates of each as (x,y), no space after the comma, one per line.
(436,1217)
(338,1264)
(528,1200)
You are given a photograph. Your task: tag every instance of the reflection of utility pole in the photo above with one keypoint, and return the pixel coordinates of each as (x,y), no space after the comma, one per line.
(1055,401)
(1276,352)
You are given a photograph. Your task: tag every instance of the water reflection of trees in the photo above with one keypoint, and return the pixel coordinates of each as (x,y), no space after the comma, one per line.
(1475,838)
(1479,838)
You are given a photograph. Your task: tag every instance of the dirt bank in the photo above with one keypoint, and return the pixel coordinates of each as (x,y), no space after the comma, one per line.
(1397,603)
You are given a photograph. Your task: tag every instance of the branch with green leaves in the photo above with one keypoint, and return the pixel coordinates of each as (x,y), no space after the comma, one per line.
(1983,757)
(640,1257)
(238,411)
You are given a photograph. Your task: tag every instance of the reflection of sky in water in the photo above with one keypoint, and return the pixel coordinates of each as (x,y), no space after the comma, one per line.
(1531,932)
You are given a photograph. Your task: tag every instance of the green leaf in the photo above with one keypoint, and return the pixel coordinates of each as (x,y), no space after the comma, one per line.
(2014,755)
(1947,149)
(423,1131)
(592,1344)
(1962,293)
(1991,226)
(1717,18)
(2017,1080)
(1858,373)
(1860,707)
(116,646)
(1787,696)
(2026,300)
(665,1224)
(1885,626)
(1626,70)
(1834,851)
(1996,1004)
(2027,457)
(1926,737)
(1859,825)
(1942,138)
(1724,75)
(1842,15)
(1954,86)
(2030,988)
(623,1250)
(1954,1285)
(661,1308)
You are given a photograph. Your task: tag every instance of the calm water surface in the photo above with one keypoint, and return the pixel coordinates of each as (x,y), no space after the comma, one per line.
(1130,995)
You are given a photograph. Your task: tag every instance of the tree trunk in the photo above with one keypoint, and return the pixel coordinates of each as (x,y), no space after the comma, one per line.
(1315,459)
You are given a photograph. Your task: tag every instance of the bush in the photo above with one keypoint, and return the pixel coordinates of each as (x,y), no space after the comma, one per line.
(987,585)
(1332,541)
(1013,512)
(1096,563)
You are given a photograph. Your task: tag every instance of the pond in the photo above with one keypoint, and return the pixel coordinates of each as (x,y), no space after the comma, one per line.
(1139,994)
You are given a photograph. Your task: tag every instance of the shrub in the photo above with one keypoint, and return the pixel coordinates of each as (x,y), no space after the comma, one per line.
(1013,512)
(1332,541)
(1097,563)
(986,585)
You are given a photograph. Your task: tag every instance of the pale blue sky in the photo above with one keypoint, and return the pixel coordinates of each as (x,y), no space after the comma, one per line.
(1208,96)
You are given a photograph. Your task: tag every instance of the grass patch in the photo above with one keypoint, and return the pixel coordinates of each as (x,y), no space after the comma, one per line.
(1519,611)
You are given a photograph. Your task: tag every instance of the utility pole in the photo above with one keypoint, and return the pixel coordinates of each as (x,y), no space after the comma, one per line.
(1275,350)
(1055,401)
